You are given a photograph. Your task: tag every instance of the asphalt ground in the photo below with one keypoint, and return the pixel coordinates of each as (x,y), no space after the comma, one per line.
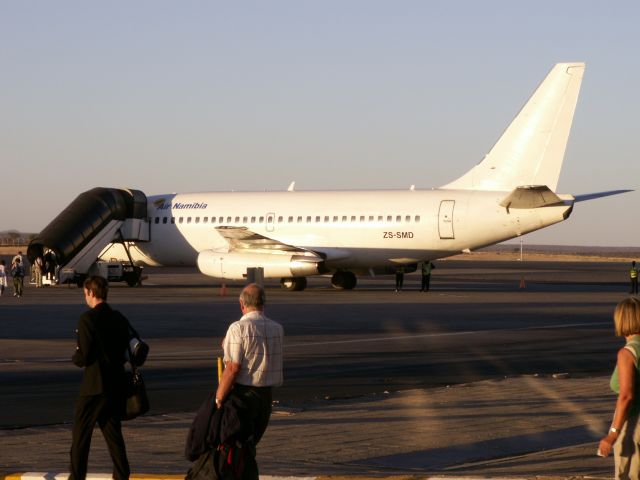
(353,362)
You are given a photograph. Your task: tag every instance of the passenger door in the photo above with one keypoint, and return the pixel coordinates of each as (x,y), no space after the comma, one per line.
(445,219)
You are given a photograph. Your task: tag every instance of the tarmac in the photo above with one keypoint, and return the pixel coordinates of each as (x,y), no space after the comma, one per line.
(527,427)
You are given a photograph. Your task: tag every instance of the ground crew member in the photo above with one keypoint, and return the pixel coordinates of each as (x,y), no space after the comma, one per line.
(633,274)
(426,268)
(399,278)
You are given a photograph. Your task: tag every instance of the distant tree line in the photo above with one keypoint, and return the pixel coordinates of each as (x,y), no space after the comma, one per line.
(13,237)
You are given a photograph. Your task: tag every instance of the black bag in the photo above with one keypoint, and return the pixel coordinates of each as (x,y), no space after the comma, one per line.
(203,468)
(227,462)
(236,461)
(137,400)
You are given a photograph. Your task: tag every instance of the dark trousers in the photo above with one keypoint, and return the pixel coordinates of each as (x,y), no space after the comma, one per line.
(259,400)
(399,280)
(17,285)
(426,279)
(634,285)
(106,413)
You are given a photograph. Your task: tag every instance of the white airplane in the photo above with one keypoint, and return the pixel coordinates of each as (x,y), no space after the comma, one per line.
(294,234)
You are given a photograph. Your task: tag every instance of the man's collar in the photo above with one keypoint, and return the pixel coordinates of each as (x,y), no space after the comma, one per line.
(252,314)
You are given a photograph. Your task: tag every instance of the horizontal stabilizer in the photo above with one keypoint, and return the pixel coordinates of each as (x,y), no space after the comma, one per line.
(591,196)
(531,196)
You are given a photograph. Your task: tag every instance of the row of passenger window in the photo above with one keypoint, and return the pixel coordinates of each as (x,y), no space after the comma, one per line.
(290,219)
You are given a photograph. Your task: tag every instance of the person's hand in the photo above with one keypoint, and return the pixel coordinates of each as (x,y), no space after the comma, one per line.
(606,444)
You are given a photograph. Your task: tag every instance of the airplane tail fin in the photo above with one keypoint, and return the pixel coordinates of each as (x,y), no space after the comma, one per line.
(531,150)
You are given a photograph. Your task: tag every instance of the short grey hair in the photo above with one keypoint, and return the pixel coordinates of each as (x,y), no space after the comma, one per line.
(253,296)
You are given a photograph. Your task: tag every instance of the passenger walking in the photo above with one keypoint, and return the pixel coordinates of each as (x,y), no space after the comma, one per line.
(102,340)
(50,265)
(3,277)
(624,434)
(17,272)
(633,275)
(38,266)
(253,361)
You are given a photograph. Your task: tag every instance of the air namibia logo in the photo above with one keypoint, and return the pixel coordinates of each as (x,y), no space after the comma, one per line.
(162,204)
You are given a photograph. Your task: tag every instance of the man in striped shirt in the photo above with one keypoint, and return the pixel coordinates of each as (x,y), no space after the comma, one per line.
(253,358)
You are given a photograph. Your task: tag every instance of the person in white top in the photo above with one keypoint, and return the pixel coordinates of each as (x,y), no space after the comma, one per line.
(253,358)
(3,277)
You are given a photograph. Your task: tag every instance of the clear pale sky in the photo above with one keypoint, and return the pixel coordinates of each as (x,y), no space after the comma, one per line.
(166,96)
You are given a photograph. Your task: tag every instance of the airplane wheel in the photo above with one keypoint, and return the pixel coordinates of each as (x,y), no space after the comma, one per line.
(351,281)
(293,284)
(344,280)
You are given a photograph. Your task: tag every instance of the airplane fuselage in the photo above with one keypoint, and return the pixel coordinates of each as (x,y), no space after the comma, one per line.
(351,229)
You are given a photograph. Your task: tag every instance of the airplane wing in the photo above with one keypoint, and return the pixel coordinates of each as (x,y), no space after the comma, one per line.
(241,238)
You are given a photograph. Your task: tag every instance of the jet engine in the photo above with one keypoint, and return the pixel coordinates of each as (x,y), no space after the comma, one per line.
(233,266)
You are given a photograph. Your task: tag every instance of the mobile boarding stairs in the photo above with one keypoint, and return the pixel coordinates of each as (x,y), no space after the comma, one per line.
(71,244)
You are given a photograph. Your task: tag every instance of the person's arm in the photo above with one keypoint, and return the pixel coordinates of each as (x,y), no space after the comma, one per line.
(233,358)
(626,377)
(84,354)
(78,356)
(229,376)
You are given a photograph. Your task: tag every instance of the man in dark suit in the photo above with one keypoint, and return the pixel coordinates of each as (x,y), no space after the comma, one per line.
(103,336)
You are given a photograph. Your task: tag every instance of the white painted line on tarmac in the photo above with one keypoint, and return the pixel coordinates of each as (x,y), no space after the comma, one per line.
(441,334)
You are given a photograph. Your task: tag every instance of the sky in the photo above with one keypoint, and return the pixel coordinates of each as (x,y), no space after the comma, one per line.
(166,96)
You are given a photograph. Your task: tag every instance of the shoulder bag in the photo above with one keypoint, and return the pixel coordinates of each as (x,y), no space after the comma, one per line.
(137,402)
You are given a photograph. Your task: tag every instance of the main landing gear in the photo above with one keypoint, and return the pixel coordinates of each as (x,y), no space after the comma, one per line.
(293,284)
(343,280)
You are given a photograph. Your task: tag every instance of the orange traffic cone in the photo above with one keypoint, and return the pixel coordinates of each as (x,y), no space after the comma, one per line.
(522,284)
